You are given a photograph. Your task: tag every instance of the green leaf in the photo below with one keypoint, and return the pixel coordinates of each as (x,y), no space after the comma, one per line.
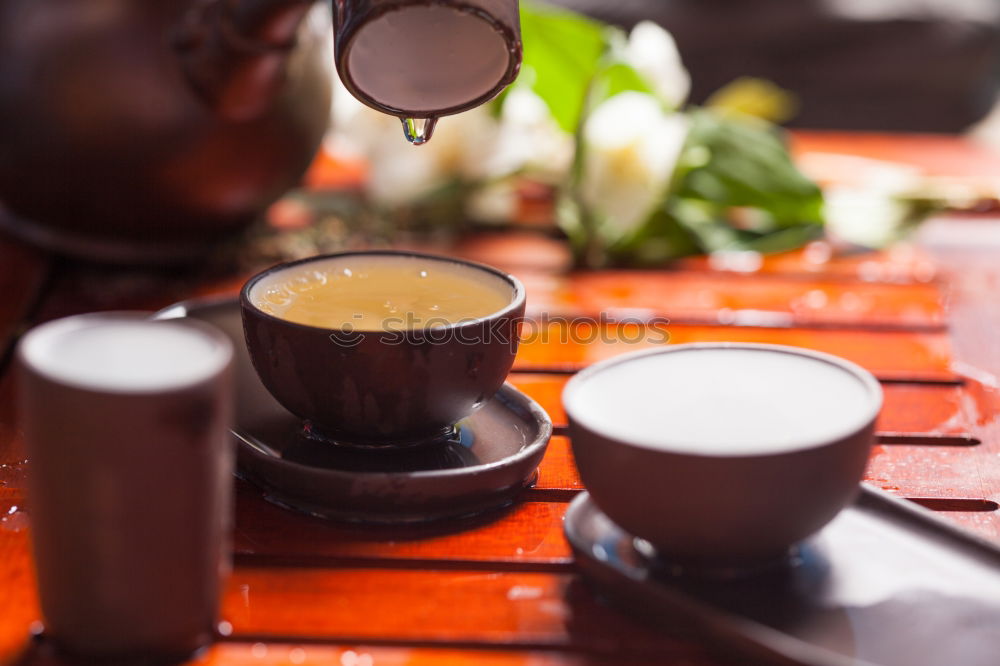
(561,55)
(660,240)
(742,162)
(782,240)
(735,188)
(615,78)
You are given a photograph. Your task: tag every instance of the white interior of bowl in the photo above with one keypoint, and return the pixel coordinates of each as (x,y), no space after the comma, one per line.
(724,399)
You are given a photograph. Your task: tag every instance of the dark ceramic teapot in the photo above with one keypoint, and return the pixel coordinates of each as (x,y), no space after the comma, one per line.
(134,130)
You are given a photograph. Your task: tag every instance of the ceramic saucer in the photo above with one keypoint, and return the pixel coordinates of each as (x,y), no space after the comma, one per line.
(492,456)
(886,583)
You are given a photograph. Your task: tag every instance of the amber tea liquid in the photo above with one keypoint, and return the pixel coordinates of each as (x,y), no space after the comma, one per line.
(381,293)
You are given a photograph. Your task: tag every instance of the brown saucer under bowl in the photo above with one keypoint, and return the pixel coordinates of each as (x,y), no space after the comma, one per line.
(490,459)
(708,504)
(383,387)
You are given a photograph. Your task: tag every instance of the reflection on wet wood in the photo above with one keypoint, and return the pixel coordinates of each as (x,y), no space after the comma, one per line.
(891,355)
(282,654)
(715,298)
(436,607)
(18,602)
(901,264)
(526,535)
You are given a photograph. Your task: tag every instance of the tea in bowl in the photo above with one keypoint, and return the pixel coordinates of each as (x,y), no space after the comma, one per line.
(722,456)
(382,347)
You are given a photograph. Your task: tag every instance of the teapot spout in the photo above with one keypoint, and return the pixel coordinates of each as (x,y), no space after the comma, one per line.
(234,52)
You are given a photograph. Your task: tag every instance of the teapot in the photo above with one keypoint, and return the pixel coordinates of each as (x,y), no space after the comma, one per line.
(137,131)
(141,131)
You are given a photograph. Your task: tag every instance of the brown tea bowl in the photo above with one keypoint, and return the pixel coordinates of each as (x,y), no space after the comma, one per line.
(721,508)
(385,387)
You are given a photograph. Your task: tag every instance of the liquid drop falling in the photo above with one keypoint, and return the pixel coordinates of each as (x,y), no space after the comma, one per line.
(418,131)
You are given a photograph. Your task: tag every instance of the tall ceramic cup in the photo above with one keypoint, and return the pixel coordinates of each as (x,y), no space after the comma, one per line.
(126,423)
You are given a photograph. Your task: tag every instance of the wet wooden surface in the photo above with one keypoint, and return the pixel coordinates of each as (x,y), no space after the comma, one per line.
(502,588)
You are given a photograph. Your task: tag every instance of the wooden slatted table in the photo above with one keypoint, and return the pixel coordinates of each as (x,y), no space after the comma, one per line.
(502,588)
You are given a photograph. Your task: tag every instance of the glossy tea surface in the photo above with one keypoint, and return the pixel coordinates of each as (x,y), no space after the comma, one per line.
(381,293)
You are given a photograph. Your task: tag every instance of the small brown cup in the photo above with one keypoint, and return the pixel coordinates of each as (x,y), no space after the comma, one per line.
(716,511)
(382,387)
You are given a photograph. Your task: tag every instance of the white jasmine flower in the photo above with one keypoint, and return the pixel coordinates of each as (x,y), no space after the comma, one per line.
(529,140)
(866,217)
(867,202)
(632,147)
(652,51)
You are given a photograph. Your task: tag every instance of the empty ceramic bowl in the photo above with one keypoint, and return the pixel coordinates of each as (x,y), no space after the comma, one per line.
(722,454)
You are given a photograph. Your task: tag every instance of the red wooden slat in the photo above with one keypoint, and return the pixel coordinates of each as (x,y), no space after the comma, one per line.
(926,471)
(900,264)
(892,355)
(285,654)
(558,470)
(716,298)
(908,408)
(527,533)
(436,607)
(18,601)
(968,256)
(297,653)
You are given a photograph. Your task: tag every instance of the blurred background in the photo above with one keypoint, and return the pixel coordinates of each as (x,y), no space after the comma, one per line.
(893,65)
(640,131)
